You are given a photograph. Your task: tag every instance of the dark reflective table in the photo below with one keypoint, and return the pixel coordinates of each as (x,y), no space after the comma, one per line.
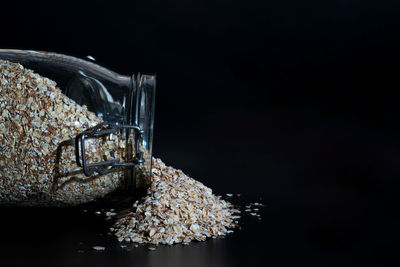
(329,188)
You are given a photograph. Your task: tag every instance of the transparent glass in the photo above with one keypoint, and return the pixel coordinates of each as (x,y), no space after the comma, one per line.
(115,99)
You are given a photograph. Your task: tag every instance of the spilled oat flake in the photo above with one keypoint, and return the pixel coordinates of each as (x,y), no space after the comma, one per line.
(176,209)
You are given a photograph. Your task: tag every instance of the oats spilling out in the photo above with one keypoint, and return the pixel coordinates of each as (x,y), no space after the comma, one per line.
(176,209)
(38,124)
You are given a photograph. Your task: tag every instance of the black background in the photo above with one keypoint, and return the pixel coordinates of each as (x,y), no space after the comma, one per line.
(293,102)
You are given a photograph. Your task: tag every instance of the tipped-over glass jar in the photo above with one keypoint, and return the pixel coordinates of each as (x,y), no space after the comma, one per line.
(71,131)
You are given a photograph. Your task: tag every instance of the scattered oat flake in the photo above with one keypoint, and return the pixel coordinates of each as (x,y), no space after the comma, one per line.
(98,248)
(152,248)
(229,195)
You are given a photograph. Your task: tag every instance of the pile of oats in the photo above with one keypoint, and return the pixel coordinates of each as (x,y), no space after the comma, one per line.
(37,160)
(176,209)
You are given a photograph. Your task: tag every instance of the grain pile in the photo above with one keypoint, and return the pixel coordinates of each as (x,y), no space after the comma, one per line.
(176,209)
(36,119)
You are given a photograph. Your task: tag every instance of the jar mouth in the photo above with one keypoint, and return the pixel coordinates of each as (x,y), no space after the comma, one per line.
(142,115)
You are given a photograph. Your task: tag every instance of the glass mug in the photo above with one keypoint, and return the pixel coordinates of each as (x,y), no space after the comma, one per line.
(111,152)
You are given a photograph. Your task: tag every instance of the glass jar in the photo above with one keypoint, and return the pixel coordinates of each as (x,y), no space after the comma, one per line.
(72,130)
